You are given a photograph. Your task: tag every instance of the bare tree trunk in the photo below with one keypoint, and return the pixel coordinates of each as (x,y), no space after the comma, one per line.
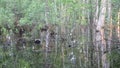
(118,28)
(47,34)
(91,40)
(63,30)
(100,34)
(110,32)
(95,20)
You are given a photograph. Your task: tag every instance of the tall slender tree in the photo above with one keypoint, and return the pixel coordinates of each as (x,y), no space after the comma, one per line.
(100,38)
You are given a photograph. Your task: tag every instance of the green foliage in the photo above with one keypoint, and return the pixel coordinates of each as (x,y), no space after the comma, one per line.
(23,64)
(115,57)
(115,9)
(38,13)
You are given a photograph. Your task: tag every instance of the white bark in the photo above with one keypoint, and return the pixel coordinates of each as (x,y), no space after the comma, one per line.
(100,33)
(96,16)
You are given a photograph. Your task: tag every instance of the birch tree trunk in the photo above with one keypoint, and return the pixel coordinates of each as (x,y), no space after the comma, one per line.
(96,50)
(47,34)
(100,34)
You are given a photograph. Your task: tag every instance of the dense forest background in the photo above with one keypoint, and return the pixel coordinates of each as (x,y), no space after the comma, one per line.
(59,33)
